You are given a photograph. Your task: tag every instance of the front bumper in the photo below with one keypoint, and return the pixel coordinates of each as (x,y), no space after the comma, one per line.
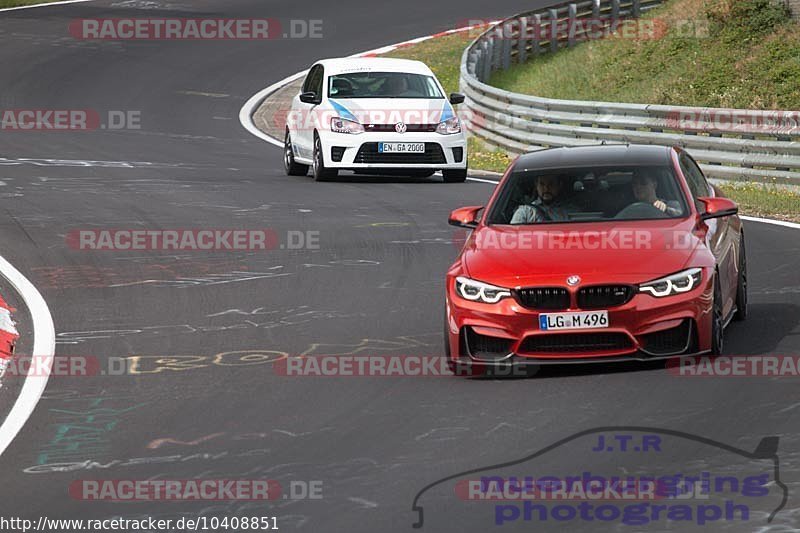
(643,329)
(345,151)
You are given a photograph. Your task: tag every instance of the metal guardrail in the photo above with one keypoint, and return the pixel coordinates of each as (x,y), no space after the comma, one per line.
(728,143)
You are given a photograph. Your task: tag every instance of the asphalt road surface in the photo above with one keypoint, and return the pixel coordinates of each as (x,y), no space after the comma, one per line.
(200,329)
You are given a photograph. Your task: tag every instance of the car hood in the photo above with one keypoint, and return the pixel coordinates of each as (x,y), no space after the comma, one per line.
(393,110)
(613,252)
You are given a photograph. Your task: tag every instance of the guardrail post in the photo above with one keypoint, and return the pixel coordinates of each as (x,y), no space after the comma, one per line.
(486,61)
(506,50)
(497,58)
(614,14)
(636,8)
(554,30)
(596,9)
(522,41)
(572,20)
(536,47)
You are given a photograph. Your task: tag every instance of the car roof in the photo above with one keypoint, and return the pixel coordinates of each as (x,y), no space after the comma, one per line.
(595,155)
(373,64)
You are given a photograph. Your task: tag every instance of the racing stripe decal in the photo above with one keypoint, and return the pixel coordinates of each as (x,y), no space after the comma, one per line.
(342,110)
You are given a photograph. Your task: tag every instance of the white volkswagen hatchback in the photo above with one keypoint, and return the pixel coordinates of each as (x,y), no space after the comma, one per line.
(374,116)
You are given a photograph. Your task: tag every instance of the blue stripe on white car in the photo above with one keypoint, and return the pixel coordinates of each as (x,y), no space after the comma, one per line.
(342,111)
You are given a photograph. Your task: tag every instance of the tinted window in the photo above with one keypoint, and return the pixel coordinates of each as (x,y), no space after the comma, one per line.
(589,194)
(313,81)
(382,85)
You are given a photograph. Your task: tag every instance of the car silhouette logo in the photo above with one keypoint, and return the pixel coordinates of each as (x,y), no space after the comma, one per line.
(573,280)
(400,127)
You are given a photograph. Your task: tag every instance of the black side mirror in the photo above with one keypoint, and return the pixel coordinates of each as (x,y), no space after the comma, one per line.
(456,98)
(309,97)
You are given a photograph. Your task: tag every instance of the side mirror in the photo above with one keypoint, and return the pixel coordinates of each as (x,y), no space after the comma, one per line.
(717,207)
(465,217)
(309,97)
(456,98)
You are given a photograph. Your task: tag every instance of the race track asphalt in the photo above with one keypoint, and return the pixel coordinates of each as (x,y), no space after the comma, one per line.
(374,286)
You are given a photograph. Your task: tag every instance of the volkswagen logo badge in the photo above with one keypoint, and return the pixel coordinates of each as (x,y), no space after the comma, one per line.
(400,127)
(573,280)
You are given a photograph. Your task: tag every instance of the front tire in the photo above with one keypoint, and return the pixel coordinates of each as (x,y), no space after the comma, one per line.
(458,175)
(741,285)
(320,172)
(291,167)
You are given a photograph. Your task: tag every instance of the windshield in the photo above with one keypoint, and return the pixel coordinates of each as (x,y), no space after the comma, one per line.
(383,85)
(589,194)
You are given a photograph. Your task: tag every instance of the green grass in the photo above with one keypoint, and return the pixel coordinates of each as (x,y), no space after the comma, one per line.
(770,201)
(717,53)
(16,3)
(442,55)
(482,157)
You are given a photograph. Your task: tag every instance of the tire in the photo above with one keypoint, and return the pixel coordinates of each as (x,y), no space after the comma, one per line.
(717,320)
(320,172)
(741,285)
(455,176)
(290,166)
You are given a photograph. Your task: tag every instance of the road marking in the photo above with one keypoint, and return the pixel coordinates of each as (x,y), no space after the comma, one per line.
(246,113)
(481,180)
(44,347)
(202,93)
(62,3)
(783,223)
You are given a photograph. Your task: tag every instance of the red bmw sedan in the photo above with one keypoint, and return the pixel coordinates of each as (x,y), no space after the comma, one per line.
(596,254)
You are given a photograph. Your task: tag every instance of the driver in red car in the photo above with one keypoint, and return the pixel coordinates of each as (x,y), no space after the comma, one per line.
(644,190)
(549,205)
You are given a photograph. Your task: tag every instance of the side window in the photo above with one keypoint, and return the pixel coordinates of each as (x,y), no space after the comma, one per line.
(307,82)
(694,176)
(314,80)
(317,82)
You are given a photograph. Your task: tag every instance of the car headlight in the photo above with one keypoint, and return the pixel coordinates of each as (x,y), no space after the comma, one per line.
(449,126)
(674,283)
(477,291)
(342,125)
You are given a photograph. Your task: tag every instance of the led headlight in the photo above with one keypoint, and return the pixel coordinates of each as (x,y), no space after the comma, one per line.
(673,284)
(477,291)
(342,125)
(449,126)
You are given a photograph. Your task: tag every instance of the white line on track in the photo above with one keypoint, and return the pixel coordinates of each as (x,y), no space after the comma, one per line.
(44,346)
(774,222)
(44,335)
(62,3)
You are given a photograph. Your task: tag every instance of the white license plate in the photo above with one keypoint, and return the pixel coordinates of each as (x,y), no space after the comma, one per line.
(586,320)
(401,148)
